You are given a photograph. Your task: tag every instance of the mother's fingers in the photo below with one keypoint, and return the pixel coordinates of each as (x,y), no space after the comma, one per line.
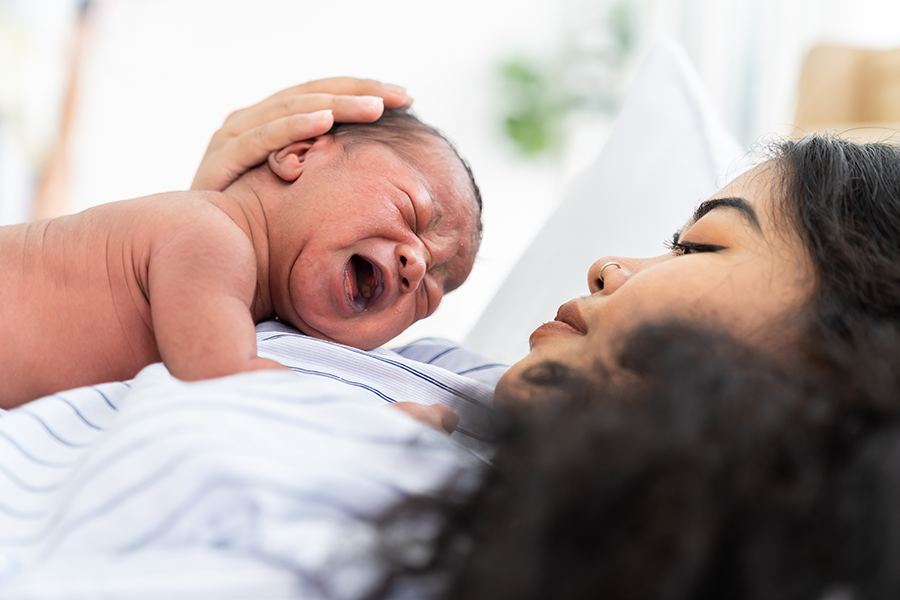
(449,417)
(337,94)
(250,134)
(438,416)
(346,109)
(394,96)
(227,158)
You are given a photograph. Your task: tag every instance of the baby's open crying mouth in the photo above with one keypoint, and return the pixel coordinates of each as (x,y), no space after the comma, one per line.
(363,282)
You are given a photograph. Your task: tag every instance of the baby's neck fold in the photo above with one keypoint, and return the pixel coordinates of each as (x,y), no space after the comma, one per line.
(247,210)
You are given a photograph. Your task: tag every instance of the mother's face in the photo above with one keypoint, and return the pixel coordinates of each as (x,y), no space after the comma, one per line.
(732,265)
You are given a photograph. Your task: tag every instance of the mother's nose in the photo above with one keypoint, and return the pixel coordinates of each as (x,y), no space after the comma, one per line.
(607,274)
(610,272)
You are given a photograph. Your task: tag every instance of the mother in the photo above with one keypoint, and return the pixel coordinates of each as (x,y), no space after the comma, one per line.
(725,421)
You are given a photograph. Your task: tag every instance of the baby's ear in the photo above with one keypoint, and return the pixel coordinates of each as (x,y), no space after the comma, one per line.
(289,162)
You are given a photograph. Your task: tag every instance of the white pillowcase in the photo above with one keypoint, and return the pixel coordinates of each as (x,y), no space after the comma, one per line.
(668,151)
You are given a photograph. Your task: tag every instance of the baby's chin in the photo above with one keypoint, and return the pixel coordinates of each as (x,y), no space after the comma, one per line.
(355,339)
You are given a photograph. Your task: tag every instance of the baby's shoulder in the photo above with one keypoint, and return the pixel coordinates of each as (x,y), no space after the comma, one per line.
(193,218)
(185,205)
(199,209)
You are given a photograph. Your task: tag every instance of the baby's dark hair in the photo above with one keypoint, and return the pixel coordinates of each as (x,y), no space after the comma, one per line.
(400,129)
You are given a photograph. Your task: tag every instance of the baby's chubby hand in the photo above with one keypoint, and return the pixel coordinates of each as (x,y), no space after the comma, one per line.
(438,416)
(305,111)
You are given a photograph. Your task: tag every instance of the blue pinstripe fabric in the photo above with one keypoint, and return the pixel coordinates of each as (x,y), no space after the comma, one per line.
(125,469)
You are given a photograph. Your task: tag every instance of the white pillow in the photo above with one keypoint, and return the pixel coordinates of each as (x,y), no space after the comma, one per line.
(668,150)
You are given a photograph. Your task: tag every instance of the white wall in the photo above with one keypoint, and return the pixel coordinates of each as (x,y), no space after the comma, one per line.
(161,75)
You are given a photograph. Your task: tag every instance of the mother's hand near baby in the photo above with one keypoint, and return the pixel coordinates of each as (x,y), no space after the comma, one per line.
(298,113)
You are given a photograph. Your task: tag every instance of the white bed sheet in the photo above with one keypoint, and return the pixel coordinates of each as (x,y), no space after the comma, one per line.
(258,485)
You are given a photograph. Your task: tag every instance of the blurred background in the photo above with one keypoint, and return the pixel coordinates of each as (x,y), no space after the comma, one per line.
(112,99)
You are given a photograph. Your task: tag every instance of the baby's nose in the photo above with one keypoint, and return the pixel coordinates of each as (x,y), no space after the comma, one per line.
(412,267)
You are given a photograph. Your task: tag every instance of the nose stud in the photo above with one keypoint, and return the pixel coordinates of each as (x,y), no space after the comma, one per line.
(603,268)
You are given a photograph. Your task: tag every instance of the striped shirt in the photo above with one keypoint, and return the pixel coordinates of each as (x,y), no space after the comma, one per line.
(267,482)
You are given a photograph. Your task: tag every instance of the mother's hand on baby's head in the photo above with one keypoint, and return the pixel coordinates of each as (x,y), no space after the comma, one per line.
(298,113)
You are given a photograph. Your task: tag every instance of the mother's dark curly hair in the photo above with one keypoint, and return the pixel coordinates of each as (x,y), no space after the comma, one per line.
(718,473)
(843,199)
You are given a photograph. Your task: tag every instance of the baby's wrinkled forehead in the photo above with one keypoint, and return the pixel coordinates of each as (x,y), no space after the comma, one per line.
(434,162)
(457,202)
(448,174)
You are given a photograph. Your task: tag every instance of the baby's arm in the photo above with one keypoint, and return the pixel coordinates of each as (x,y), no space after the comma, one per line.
(202,283)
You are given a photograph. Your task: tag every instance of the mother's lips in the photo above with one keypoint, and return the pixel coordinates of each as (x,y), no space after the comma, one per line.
(569,322)
(570,314)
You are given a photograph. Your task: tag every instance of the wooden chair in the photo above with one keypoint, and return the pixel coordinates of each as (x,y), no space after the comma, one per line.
(852,91)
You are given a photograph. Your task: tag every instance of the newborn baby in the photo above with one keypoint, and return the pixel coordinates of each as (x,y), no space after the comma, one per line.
(350,237)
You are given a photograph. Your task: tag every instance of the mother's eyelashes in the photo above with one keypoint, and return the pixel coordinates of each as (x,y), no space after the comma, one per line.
(680,247)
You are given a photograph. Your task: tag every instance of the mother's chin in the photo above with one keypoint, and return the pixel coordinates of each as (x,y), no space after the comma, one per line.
(536,380)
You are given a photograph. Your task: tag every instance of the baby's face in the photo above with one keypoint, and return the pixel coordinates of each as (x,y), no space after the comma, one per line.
(369,243)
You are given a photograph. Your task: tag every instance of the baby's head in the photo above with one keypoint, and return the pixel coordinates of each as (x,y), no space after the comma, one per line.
(368,227)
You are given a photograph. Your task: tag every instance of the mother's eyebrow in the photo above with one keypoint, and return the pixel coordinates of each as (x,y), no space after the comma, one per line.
(744,207)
